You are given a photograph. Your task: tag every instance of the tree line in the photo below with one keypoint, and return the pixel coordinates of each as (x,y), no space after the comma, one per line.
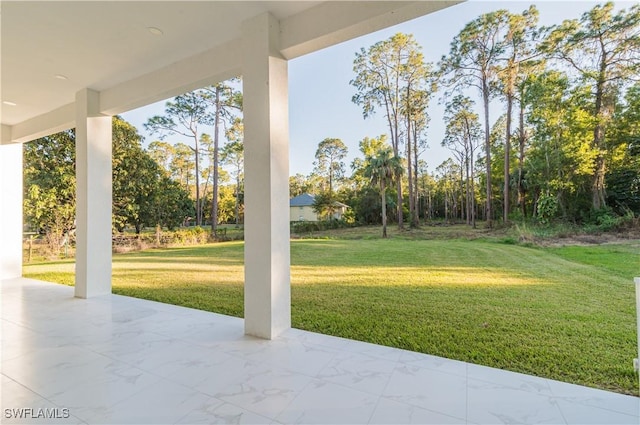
(143,193)
(164,185)
(566,147)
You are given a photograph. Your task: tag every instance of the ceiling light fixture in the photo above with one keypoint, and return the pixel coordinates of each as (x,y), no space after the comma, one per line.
(61,77)
(155,31)
(6,102)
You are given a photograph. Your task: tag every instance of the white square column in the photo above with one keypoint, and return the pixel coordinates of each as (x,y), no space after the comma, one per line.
(636,362)
(267,291)
(93,197)
(11,210)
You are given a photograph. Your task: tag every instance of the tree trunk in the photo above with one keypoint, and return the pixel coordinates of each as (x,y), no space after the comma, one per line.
(399,207)
(507,158)
(461,195)
(410,173)
(454,202)
(330,178)
(487,148)
(198,206)
(384,208)
(396,104)
(415,176)
(521,143)
(597,188)
(237,206)
(467,189)
(473,194)
(446,207)
(214,196)
(468,158)
(391,105)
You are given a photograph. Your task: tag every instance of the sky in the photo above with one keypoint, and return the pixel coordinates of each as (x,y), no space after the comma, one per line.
(320,103)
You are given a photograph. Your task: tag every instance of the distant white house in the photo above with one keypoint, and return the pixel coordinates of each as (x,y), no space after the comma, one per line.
(301,209)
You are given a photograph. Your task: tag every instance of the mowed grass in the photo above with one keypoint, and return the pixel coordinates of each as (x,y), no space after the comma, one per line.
(562,313)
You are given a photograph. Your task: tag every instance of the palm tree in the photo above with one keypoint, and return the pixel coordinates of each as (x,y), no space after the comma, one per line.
(382,169)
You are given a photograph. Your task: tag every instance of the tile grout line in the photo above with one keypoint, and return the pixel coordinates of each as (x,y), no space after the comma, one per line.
(466,395)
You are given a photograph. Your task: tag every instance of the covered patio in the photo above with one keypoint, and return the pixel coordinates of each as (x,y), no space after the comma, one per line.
(114,359)
(76,64)
(85,355)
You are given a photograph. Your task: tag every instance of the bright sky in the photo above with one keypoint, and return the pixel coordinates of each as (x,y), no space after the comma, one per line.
(320,95)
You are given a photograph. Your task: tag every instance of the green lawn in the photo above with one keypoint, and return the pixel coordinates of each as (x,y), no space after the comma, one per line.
(562,313)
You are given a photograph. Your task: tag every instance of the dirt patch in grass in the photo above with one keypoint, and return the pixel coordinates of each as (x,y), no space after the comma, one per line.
(620,237)
(515,234)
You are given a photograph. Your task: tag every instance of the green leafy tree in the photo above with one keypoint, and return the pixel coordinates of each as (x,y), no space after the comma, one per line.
(561,156)
(183,116)
(462,135)
(368,147)
(227,204)
(300,184)
(382,169)
(363,199)
(324,204)
(417,123)
(519,46)
(207,175)
(135,177)
(427,188)
(50,187)
(143,195)
(604,49)
(623,178)
(530,70)
(364,205)
(473,62)
(418,78)
(182,166)
(233,156)
(162,153)
(329,156)
(172,204)
(387,76)
(449,187)
(226,101)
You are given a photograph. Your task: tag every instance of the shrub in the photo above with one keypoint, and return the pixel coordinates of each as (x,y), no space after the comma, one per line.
(189,236)
(316,226)
(547,208)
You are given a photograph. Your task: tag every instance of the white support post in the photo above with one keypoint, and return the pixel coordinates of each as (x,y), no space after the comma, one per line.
(93,199)
(637,360)
(10,211)
(267,292)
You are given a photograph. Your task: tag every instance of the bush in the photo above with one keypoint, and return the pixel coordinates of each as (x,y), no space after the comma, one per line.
(189,236)
(547,208)
(316,226)
(124,242)
(606,219)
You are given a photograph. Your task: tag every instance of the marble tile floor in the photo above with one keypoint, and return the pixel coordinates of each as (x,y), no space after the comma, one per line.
(121,360)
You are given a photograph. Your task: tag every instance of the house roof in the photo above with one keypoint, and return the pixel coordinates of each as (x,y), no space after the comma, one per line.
(304,200)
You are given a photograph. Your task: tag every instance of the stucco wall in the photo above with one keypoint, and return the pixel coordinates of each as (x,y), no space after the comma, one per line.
(302,214)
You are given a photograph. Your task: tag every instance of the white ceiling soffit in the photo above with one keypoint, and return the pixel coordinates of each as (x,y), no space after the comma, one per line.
(50,50)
